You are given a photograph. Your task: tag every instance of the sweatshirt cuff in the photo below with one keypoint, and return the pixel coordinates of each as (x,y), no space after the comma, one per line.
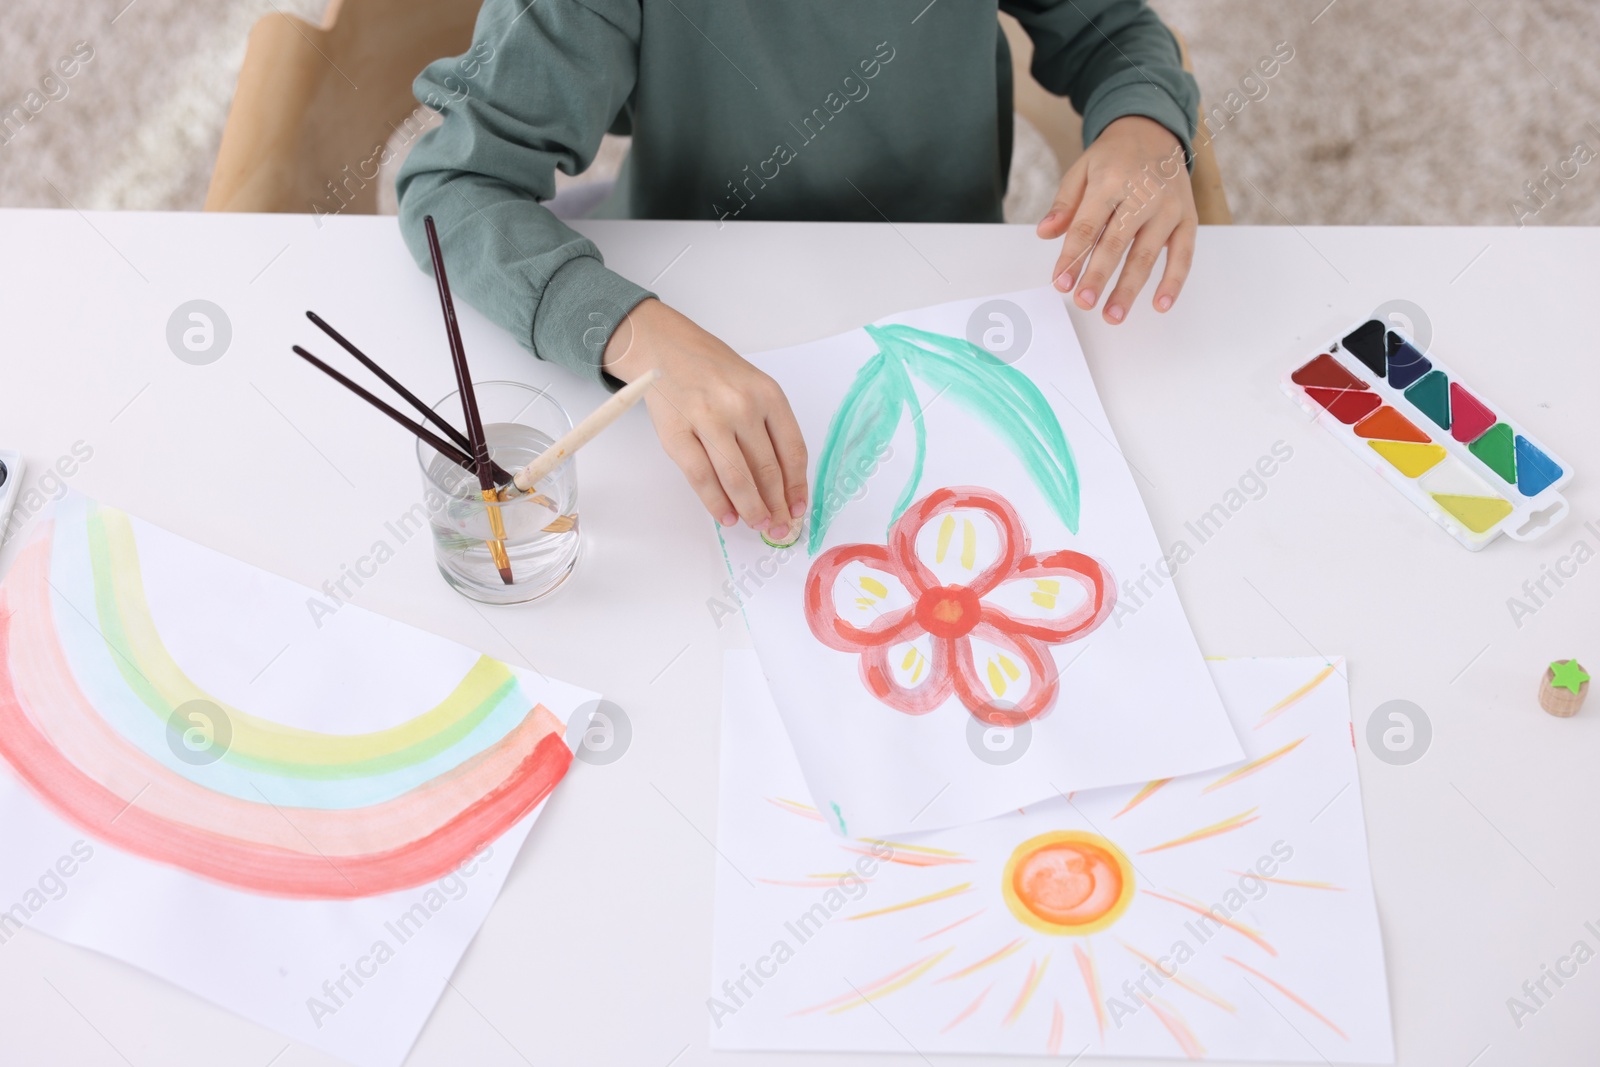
(582,303)
(1139,97)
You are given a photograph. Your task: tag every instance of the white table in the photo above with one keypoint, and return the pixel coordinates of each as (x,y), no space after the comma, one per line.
(598,952)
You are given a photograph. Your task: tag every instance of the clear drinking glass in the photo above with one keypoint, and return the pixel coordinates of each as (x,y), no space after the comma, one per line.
(538,530)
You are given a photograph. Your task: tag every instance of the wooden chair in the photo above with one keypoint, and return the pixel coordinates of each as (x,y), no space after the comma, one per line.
(316,105)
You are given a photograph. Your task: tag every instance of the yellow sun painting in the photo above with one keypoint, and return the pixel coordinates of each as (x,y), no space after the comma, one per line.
(1179,917)
(1067,882)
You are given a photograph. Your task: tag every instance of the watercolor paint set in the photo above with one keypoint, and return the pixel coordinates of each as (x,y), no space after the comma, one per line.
(1459,458)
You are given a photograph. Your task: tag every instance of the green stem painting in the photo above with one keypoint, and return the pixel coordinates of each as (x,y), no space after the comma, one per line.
(999,395)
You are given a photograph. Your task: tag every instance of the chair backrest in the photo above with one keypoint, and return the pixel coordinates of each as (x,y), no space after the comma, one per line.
(316,105)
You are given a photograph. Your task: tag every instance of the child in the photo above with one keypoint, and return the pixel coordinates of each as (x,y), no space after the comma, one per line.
(812,109)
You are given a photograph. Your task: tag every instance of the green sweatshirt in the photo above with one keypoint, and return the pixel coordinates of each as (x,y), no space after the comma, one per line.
(859,110)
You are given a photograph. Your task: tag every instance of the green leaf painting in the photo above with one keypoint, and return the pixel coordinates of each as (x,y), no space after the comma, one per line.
(1001,397)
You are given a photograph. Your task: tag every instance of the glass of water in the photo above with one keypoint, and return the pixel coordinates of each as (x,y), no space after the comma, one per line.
(538,530)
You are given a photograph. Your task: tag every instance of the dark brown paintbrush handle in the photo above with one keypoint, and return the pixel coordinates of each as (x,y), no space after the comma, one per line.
(469,399)
(501,475)
(434,441)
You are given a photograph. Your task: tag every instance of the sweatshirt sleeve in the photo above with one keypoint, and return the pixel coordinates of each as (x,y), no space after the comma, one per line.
(1111,58)
(537,90)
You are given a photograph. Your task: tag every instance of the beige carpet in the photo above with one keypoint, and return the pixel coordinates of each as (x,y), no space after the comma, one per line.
(1391,112)
(138,124)
(1429,111)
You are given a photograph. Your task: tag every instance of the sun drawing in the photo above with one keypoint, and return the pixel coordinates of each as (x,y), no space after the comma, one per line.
(1047,937)
(1068,882)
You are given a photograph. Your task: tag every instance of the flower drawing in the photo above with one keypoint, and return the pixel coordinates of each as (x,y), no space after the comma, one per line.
(956,604)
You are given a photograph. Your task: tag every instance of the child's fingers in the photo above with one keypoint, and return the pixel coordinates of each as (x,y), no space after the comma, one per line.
(689,454)
(1090,218)
(1103,259)
(791,449)
(1180,254)
(768,474)
(1136,269)
(1068,195)
(734,473)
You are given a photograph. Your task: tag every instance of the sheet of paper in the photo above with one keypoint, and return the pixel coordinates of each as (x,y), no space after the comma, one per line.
(292,807)
(1226,915)
(979,615)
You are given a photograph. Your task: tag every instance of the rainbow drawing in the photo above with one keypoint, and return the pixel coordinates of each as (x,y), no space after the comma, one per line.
(104,725)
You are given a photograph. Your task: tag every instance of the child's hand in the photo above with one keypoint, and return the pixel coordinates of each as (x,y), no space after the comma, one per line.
(725,424)
(1130,189)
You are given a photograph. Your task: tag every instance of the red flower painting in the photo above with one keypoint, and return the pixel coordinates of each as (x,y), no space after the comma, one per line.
(958,610)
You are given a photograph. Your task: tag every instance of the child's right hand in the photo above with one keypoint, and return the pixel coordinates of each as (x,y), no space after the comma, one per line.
(725,424)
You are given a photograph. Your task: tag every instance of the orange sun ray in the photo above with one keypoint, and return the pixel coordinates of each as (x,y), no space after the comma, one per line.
(1091,985)
(882,986)
(1291,881)
(1192,985)
(943,894)
(794,807)
(1253,766)
(1200,909)
(966,1013)
(911,857)
(1057,1024)
(868,995)
(1030,985)
(952,926)
(994,957)
(925,850)
(869,987)
(1321,1018)
(1289,701)
(1141,796)
(1232,822)
(1176,1027)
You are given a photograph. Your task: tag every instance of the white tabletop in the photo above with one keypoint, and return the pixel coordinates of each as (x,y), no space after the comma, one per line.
(1483,852)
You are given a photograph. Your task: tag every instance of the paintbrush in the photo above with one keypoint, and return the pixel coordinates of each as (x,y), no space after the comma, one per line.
(437,443)
(598,419)
(458,456)
(501,475)
(469,407)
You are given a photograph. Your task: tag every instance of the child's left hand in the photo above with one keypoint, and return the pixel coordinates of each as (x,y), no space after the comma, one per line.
(1130,190)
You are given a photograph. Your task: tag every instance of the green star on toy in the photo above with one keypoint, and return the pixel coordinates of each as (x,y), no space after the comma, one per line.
(1566,674)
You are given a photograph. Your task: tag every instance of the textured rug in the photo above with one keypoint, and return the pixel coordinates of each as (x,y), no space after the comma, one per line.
(1432,111)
